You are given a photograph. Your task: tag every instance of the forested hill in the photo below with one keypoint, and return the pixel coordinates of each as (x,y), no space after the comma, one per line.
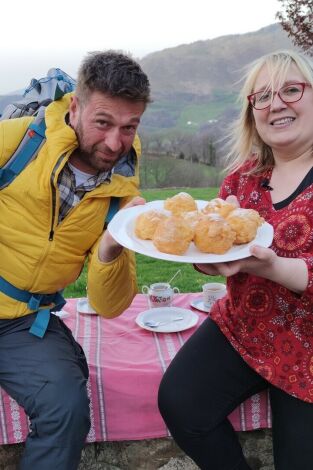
(204,67)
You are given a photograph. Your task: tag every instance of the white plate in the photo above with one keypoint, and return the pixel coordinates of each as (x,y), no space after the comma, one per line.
(121,228)
(162,314)
(199,305)
(83,306)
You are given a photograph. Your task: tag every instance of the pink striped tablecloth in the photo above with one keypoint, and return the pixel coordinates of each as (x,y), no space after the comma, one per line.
(126,365)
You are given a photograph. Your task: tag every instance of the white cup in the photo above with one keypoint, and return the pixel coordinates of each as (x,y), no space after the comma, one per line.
(211,292)
(160,294)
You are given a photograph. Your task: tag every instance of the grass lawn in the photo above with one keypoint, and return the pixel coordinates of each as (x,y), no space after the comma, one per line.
(151,270)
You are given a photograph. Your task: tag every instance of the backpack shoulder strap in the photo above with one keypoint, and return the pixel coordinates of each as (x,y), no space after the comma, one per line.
(26,151)
(114,207)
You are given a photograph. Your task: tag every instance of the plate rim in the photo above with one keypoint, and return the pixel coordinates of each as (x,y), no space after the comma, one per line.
(193,317)
(132,244)
(198,300)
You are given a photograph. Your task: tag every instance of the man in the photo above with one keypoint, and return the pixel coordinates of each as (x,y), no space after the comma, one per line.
(51,219)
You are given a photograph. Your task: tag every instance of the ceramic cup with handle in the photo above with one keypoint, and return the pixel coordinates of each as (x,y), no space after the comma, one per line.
(212,291)
(160,294)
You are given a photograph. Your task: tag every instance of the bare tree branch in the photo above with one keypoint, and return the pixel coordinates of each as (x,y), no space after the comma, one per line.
(297,20)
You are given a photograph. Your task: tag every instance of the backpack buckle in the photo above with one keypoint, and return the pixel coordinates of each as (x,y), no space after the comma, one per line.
(34,302)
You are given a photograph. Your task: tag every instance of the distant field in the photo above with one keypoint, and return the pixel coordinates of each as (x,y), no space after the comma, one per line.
(195,115)
(196,193)
(151,270)
(159,171)
(183,116)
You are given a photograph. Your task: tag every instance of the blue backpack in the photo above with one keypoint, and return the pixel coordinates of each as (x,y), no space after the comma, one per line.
(35,99)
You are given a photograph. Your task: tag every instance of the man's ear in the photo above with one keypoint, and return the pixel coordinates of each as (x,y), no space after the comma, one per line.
(74,110)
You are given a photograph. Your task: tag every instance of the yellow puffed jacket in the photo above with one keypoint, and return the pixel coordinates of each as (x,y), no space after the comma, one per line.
(33,260)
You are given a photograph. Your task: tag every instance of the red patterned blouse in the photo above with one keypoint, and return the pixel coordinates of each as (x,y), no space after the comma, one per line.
(270,326)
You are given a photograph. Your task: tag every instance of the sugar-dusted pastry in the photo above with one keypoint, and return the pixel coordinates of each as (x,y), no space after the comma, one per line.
(147,222)
(173,235)
(213,234)
(181,202)
(218,206)
(245,223)
(192,218)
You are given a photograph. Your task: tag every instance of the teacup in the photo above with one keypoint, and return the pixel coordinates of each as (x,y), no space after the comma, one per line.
(160,294)
(212,291)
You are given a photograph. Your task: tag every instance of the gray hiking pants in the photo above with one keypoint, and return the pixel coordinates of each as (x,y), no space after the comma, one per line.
(47,377)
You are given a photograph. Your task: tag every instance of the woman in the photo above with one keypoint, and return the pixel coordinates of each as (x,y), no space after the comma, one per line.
(260,335)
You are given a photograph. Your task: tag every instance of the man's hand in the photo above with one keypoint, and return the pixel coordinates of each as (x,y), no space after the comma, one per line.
(136,201)
(109,249)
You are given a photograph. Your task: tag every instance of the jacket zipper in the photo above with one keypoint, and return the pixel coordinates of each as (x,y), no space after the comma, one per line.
(53,204)
(53,194)
(51,234)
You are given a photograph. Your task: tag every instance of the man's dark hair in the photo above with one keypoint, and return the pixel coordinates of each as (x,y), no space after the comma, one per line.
(114,74)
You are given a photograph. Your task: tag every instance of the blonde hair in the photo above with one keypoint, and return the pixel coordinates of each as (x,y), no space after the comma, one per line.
(244,140)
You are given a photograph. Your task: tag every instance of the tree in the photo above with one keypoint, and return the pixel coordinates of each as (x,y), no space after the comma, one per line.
(297,20)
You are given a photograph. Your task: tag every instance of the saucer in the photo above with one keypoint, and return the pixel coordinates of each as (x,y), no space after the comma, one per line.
(199,305)
(61,314)
(83,306)
(167,315)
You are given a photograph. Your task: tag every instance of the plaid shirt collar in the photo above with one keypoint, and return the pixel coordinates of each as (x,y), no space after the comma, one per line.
(70,194)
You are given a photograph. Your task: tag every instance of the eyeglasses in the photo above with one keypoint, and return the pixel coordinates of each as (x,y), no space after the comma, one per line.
(288,94)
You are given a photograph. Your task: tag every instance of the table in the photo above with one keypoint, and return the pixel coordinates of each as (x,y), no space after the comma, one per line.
(126,365)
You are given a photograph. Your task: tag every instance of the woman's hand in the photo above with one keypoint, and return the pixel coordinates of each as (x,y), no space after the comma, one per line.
(265,263)
(257,265)
(109,248)
(233,200)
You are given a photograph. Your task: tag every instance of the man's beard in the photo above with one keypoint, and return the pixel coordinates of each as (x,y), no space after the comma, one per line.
(88,154)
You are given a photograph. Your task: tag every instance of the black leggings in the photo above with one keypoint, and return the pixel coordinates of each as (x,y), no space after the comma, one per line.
(205,382)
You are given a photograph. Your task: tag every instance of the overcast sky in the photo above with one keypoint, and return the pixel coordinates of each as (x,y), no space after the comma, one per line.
(35,36)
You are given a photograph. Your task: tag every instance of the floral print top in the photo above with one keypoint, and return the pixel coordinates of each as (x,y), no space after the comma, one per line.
(270,326)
